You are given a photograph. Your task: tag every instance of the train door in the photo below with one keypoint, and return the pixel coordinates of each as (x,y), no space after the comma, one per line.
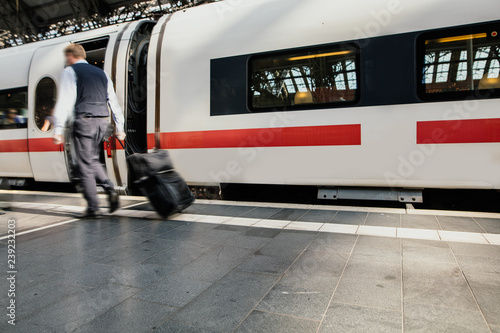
(136,110)
(47,160)
(128,70)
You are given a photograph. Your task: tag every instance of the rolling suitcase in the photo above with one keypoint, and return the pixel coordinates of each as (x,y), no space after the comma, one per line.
(154,174)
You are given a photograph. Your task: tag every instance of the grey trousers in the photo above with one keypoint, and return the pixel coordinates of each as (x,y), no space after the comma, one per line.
(88,134)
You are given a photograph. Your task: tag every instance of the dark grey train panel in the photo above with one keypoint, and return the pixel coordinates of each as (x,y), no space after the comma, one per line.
(390,69)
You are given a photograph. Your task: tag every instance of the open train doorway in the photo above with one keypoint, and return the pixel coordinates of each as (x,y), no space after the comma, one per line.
(95,50)
(136,109)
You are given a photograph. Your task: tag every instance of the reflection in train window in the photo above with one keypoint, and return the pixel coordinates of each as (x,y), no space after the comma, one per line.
(45,98)
(461,63)
(13,108)
(303,79)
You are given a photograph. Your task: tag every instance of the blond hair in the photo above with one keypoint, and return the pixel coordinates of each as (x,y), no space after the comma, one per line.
(76,50)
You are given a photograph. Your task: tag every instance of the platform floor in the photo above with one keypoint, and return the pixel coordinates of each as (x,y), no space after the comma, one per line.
(248,267)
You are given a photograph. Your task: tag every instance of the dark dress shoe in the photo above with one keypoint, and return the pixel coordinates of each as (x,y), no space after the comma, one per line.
(114,201)
(90,214)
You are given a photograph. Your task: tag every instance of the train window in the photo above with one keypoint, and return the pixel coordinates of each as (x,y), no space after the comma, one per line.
(302,79)
(45,97)
(460,63)
(13,108)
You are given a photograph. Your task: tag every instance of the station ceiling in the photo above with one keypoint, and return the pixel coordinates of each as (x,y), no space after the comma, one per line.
(41,14)
(23,21)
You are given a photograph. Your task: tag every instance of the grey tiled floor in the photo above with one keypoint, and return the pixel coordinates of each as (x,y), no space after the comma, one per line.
(121,274)
(133,275)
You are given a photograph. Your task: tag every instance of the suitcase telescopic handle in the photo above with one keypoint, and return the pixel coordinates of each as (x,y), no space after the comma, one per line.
(123,146)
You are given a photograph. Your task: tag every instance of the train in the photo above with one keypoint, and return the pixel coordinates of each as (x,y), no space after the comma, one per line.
(377,99)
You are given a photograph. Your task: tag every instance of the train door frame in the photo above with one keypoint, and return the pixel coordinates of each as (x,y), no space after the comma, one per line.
(48,161)
(136,87)
(122,55)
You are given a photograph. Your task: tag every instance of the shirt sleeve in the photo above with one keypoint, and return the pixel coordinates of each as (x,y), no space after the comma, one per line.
(66,99)
(116,109)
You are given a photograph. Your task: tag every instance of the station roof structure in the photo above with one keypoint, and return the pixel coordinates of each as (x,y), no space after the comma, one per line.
(24,21)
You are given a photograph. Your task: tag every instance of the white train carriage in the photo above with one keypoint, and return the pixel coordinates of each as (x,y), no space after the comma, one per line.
(355,94)
(28,88)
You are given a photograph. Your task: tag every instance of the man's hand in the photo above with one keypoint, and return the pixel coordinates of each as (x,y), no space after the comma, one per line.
(58,139)
(121,136)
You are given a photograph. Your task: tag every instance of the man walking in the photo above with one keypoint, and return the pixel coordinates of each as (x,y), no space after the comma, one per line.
(85,92)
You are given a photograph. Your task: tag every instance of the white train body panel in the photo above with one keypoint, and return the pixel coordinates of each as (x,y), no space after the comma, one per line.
(15,164)
(388,155)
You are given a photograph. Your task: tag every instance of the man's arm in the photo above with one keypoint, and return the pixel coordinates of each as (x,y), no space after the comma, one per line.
(116,110)
(66,99)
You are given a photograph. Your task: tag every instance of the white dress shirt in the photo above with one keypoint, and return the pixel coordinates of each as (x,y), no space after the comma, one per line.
(66,100)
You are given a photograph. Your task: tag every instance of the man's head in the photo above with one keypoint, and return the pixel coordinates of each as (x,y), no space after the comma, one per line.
(74,53)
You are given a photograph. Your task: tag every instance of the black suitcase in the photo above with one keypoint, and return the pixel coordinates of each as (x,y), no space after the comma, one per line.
(154,174)
(141,166)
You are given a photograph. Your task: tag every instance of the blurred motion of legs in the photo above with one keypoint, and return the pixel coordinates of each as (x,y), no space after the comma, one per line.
(88,134)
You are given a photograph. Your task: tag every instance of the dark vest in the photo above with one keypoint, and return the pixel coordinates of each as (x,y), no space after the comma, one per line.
(91,91)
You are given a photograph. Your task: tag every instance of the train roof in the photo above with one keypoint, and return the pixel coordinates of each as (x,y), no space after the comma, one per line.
(15,61)
(229,28)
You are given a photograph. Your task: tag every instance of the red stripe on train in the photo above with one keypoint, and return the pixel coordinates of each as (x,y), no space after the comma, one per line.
(332,135)
(35,145)
(13,146)
(43,145)
(459,131)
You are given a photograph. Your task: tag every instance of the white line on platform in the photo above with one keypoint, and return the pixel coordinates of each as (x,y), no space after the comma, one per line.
(307,226)
(418,233)
(409,233)
(386,210)
(339,228)
(272,224)
(64,194)
(287,205)
(492,238)
(458,236)
(40,228)
(377,231)
(302,206)
(57,207)
(214,219)
(242,221)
